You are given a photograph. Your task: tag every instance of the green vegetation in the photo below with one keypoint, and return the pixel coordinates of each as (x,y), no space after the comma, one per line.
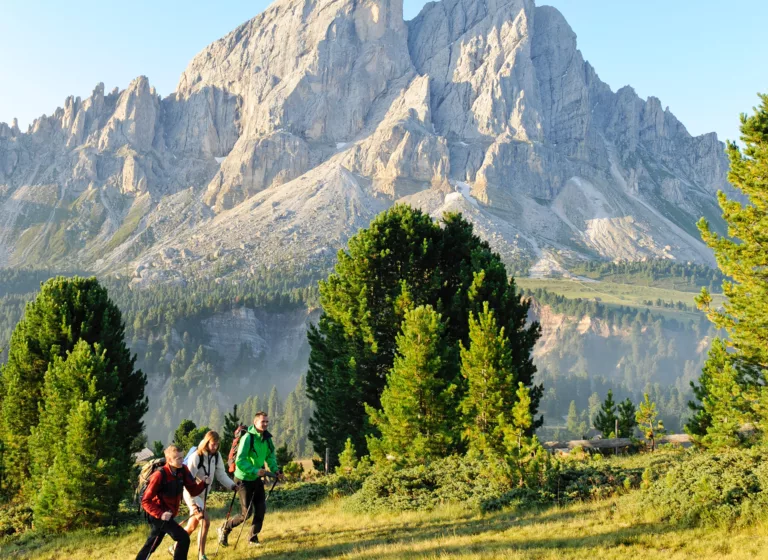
(658,273)
(731,390)
(404,260)
(72,405)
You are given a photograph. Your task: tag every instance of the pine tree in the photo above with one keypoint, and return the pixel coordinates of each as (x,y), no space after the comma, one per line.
(401,261)
(524,454)
(417,403)
(65,311)
(723,403)
(576,428)
(214,420)
(347,458)
(647,419)
(743,259)
(89,476)
(491,380)
(605,421)
(275,412)
(83,375)
(231,422)
(627,421)
(188,435)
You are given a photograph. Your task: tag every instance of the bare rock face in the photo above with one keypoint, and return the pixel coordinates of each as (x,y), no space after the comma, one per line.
(289,134)
(334,60)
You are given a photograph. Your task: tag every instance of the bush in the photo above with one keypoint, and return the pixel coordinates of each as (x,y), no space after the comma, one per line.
(481,485)
(15,519)
(727,488)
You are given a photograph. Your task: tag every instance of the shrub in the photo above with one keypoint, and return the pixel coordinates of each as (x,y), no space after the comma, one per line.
(712,489)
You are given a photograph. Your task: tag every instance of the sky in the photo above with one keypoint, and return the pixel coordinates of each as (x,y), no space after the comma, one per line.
(704,59)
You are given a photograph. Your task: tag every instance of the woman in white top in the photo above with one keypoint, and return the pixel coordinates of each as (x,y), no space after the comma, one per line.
(205,462)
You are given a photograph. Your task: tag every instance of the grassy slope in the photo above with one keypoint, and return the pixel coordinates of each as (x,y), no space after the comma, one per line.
(604,529)
(612,292)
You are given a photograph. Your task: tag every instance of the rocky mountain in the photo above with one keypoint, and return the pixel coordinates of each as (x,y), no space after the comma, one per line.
(289,134)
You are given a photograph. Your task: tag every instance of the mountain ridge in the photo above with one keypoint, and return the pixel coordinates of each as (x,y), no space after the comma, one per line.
(264,154)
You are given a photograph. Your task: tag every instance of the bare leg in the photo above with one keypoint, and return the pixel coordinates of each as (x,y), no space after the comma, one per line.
(203,535)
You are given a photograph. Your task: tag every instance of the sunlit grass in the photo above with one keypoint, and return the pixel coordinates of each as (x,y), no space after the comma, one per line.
(615,528)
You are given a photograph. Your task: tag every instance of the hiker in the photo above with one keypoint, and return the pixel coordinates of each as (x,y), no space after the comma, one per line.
(205,461)
(254,450)
(161,501)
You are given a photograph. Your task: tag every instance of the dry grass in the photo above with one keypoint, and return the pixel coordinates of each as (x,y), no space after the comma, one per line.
(601,530)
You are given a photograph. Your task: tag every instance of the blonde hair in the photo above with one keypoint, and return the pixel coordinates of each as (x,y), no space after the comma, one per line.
(170,450)
(210,437)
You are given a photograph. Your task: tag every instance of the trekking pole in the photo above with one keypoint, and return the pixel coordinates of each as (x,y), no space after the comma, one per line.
(247,513)
(269,474)
(232,503)
(200,532)
(271,488)
(154,544)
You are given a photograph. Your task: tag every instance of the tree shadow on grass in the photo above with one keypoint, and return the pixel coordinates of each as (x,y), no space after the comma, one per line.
(358,540)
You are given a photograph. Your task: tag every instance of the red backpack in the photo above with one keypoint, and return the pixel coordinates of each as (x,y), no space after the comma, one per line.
(239,432)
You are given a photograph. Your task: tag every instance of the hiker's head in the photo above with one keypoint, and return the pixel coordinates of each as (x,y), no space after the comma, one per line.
(209,444)
(174,457)
(261,421)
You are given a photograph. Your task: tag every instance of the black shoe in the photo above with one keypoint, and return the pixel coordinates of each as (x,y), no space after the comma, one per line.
(222,536)
(254,541)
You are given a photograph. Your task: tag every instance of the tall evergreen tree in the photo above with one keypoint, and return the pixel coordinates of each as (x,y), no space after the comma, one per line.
(488,368)
(89,476)
(417,405)
(627,421)
(723,403)
(188,435)
(743,259)
(275,411)
(605,421)
(403,260)
(65,311)
(231,422)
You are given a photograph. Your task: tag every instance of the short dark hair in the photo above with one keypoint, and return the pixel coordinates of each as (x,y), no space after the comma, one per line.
(259,414)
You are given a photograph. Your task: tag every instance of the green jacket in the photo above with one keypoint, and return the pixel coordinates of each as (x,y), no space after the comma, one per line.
(254,450)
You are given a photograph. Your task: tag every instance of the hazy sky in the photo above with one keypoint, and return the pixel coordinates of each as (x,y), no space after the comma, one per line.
(704,59)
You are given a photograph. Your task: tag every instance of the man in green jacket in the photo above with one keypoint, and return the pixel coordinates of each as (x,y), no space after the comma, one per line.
(255,449)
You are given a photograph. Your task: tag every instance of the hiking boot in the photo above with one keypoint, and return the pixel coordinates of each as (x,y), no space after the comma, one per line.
(254,541)
(203,557)
(223,536)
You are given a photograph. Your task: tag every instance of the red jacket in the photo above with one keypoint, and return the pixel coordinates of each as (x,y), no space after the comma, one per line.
(164,490)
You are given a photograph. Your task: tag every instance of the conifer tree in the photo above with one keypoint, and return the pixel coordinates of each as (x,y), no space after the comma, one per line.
(417,405)
(491,379)
(231,422)
(627,421)
(65,311)
(83,375)
(576,427)
(89,476)
(723,403)
(401,261)
(275,412)
(347,458)
(743,259)
(605,421)
(188,435)
(647,420)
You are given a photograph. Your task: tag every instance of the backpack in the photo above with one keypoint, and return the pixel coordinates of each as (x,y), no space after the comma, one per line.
(239,431)
(201,464)
(190,453)
(147,471)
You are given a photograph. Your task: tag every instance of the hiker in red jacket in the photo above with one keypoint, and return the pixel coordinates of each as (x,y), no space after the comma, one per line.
(161,501)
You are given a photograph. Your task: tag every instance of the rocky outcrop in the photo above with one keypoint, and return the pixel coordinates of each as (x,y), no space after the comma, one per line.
(295,129)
